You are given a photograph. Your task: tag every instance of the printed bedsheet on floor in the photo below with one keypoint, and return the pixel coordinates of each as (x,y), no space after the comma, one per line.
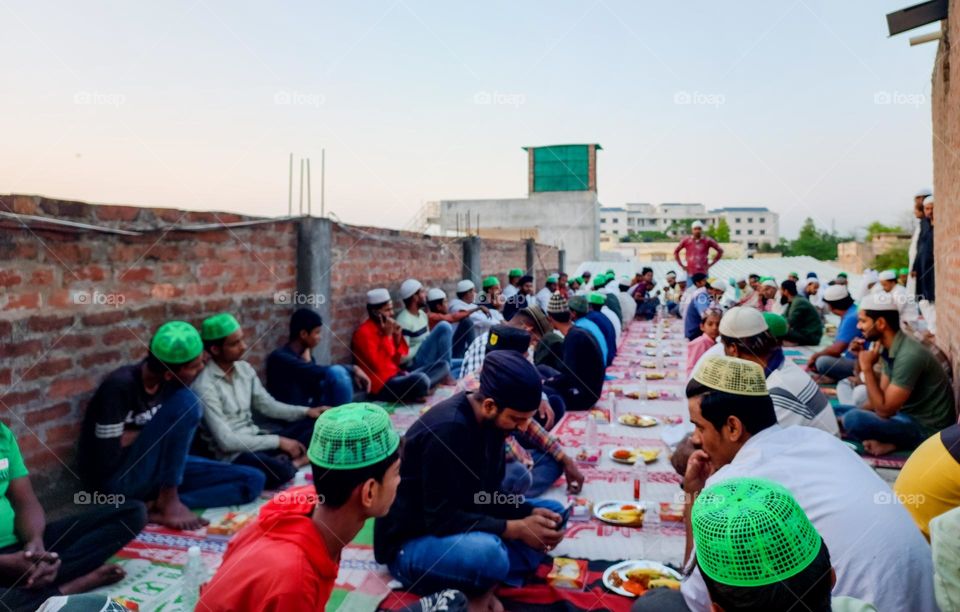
(154,559)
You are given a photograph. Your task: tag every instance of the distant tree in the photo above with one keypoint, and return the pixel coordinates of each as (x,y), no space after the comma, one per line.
(892,259)
(810,241)
(879,228)
(721,231)
(646,236)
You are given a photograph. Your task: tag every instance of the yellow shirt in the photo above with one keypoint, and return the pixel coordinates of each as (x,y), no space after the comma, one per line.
(929,483)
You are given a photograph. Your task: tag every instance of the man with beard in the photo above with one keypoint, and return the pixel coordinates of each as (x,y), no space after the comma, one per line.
(521,299)
(806,327)
(737,436)
(451,526)
(912,399)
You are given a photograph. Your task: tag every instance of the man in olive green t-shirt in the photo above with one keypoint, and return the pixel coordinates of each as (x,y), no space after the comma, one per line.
(912,399)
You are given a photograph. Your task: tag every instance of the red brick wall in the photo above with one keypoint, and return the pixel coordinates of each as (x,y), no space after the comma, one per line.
(946,173)
(75,304)
(497,257)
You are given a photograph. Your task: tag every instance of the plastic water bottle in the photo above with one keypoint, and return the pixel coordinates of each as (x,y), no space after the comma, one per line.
(639,478)
(659,358)
(592,437)
(614,408)
(194,575)
(643,390)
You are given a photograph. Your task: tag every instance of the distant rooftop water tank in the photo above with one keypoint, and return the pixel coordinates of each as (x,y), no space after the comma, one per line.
(570,167)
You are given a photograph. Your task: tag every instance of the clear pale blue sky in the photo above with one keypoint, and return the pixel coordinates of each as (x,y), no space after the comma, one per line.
(182,103)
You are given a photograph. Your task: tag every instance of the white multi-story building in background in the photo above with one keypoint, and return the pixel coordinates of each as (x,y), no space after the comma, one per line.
(749,225)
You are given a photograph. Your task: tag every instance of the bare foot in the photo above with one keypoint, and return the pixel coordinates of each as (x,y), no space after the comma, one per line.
(878,448)
(108,573)
(177,516)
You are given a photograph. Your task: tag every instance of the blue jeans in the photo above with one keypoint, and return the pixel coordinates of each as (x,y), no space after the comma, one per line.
(438,346)
(534,481)
(836,368)
(337,387)
(900,429)
(158,459)
(471,562)
(410,386)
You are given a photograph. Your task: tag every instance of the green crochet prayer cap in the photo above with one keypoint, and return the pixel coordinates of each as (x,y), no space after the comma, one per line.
(515,272)
(776,324)
(599,280)
(352,436)
(579,280)
(552,278)
(596,298)
(218,326)
(491,281)
(903,272)
(750,532)
(176,342)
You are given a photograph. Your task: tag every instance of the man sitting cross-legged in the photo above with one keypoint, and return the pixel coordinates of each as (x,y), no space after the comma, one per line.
(426,345)
(294,376)
(835,362)
(137,432)
(736,435)
(450,525)
(39,560)
(379,347)
(912,400)
(231,392)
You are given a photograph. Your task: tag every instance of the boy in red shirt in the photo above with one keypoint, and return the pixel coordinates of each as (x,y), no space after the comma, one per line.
(287,561)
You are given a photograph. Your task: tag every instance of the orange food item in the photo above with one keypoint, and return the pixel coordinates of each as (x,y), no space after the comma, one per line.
(622,454)
(627,507)
(634,587)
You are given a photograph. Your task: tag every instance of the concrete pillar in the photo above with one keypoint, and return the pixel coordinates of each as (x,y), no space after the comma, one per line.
(314,257)
(562,261)
(471,260)
(531,245)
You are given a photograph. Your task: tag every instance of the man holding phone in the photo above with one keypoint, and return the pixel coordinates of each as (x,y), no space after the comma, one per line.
(379,347)
(451,526)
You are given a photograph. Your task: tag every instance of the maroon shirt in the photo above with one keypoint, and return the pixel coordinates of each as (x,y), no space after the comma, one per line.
(698,253)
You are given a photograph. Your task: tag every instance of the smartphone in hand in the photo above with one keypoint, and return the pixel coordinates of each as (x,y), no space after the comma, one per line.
(565,516)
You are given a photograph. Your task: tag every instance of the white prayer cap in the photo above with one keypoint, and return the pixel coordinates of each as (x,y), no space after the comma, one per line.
(928,200)
(888,275)
(696,224)
(719,285)
(924,192)
(671,273)
(742,322)
(742,278)
(682,277)
(882,301)
(770,283)
(409,287)
(436,294)
(835,293)
(378,296)
(465,285)
(870,276)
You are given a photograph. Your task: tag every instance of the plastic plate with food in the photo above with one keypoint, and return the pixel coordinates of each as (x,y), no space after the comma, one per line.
(655,375)
(634,578)
(629,456)
(619,512)
(636,420)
